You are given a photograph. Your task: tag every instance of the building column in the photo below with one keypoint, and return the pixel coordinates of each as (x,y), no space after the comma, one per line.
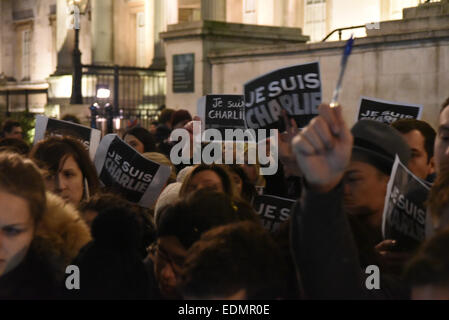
(159,25)
(170,13)
(102,28)
(65,39)
(214,10)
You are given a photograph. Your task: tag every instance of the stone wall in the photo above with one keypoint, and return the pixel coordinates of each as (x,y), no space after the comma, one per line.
(401,66)
(202,37)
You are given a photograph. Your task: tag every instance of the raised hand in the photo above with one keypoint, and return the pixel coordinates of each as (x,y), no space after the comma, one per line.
(323,149)
(286,155)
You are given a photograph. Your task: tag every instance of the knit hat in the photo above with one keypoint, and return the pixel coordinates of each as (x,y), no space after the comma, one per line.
(169,195)
(184,173)
(377,144)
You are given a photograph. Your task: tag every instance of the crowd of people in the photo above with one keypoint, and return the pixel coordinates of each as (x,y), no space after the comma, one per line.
(202,238)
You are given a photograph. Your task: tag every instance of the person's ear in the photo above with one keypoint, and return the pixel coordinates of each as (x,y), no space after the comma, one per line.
(431,166)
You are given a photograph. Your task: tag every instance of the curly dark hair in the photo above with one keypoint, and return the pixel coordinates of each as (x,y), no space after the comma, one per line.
(231,258)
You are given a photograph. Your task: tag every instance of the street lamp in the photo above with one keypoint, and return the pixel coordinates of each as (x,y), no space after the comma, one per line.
(77,8)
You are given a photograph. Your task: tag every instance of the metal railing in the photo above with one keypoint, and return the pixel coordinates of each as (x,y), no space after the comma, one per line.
(340,31)
(21,94)
(131,88)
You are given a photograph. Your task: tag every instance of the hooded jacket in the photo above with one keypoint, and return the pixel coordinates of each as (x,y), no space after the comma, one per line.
(59,236)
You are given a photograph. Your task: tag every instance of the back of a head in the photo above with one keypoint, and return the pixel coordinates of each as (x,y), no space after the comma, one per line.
(236,261)
(202,211)
(404,126)
(377,144)
(179,118)
(9,124)
(71,118)
(430,265)
(166,115)
(14,145)
(119,228)
(111,265)
(106,202)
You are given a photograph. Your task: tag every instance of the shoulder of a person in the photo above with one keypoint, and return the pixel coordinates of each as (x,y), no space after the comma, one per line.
(61,231)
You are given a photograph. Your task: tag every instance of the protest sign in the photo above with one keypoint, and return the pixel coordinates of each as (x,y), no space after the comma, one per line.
(387,111)
(272,210)
(224,111)
(221,112)
(47,127)
(296,89)
(124,170)
(404,216)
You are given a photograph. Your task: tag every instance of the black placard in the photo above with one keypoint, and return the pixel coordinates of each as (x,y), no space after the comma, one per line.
(47,127)
(272,210)
(123,170)
(404,217)
(296,89)
(222,111)
(387,111)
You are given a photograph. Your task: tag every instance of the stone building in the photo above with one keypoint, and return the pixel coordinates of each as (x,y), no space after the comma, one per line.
(37,40)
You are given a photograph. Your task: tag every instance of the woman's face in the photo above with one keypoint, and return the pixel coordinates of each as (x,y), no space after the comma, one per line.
(68,182)
(206,179)
(237,182)
(135,143)
(16,231)
(168,260)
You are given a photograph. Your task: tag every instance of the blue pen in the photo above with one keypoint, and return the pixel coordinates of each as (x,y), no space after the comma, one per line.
(344,61)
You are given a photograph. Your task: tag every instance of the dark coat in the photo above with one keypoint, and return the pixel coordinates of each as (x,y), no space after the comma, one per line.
(34,278)
(326,254)
(108,273)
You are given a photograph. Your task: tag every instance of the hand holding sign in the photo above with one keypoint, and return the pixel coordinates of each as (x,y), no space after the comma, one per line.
(323,148)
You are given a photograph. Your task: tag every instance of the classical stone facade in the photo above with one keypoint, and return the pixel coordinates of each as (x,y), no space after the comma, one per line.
(36,44)
(403,60)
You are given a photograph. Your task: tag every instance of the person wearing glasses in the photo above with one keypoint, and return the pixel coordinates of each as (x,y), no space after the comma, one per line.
(179,226)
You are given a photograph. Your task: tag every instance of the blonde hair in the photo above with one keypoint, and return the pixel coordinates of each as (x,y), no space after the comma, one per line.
(162,159)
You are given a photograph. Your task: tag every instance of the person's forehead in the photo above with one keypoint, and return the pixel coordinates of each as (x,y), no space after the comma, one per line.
(206,175)
(444,117)
(69,163)
(360,167)
(15,209)
(415,139)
